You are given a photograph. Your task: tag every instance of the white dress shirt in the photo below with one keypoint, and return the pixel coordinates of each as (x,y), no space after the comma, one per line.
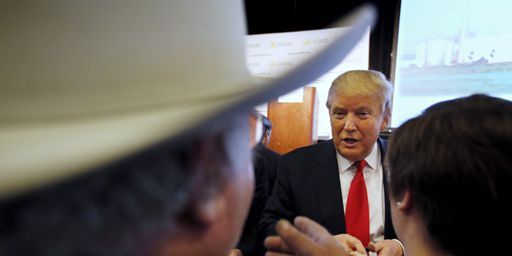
(373,175)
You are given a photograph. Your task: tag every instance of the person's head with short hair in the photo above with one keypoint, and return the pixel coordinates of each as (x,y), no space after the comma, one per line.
(260,128)
(450,176)
(267,130)
(255,127)
(124,128)
(359,109)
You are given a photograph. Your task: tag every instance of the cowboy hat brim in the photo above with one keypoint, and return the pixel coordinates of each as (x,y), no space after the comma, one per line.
(36,154)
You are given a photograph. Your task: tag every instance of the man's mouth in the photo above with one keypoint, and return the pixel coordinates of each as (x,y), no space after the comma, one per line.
(349,141)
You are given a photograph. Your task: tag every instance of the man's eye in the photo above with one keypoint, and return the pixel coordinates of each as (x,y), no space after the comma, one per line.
(363,114)
(339,114)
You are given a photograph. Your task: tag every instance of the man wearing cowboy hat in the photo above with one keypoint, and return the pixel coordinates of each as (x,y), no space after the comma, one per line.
(122,127)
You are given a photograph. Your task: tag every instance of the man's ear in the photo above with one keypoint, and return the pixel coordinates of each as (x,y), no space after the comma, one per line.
(405,203)
(386,117)
(207,200)
(212,209)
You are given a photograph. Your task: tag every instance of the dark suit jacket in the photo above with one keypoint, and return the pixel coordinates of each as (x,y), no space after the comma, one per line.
(271,162)
(308,184)
(248,244)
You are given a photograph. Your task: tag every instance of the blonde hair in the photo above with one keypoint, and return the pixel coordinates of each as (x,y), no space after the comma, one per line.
(367,82)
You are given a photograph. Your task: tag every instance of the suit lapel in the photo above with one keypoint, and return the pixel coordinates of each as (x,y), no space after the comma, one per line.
(328,189)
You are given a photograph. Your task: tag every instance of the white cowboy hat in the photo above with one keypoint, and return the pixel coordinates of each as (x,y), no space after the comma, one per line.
(84,83)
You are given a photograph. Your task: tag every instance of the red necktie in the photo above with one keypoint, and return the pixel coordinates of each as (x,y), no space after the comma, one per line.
(357,214)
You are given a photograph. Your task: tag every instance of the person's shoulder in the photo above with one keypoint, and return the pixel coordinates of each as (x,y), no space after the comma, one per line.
(256,155)
(304,159)
(312,150)
(262,149)
(383,144)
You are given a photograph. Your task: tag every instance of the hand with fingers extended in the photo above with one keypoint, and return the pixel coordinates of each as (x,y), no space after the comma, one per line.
(304,238)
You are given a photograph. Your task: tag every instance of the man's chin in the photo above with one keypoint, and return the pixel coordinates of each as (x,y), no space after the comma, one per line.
(351,154)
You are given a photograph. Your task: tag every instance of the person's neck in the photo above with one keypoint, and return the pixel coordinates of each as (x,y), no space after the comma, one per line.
(417,241)
(418,246)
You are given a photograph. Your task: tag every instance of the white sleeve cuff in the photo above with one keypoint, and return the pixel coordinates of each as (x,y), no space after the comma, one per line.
(401,245)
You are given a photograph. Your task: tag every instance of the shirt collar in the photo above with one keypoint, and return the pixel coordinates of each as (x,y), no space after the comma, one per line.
(372,159)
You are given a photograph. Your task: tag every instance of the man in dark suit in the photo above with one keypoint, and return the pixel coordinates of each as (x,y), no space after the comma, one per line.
(247,245)
(264,164)
(270,157)
(317,181)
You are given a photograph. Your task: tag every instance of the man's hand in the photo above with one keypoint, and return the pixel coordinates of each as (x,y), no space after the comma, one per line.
(386,248)
(236,252)
(306,238)
(351,244)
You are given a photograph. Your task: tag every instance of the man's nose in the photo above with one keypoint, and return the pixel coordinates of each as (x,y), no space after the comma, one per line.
(350,123)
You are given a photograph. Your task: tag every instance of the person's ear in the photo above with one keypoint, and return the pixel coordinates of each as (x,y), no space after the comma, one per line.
(212,209)
(405,203)
(207,200)
(386,117)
